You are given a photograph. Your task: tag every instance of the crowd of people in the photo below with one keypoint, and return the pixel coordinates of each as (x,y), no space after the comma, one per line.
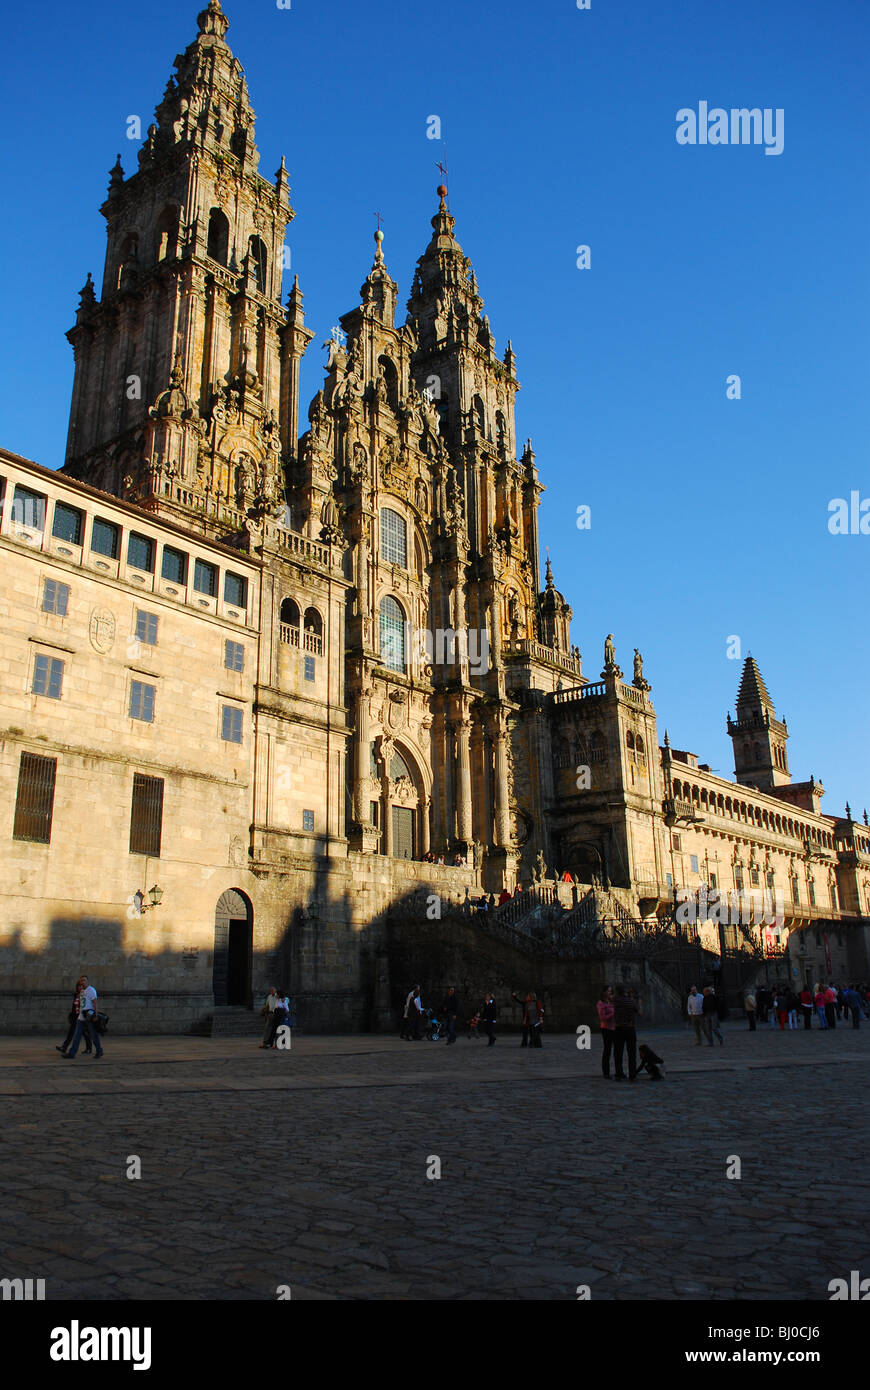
(781,1005)
(419,1023)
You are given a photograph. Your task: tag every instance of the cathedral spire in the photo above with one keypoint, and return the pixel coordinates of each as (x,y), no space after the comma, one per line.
(759,738)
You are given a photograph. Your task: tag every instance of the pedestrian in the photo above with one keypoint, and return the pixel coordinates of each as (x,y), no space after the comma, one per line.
(819,1001)
(268,1012)
(86,1021)
(782,1006)
(831,1006)
(626,1011)
(451,1009)
(533,1018)
(750,1004)
(762,997)
(489,1014)
(72,1020)
(406,1017)
(852,1002)
(282,1013)
(695,1010)
(605,1017)
(415,1014)
(807,1006)
(712,1006)
(793,1006)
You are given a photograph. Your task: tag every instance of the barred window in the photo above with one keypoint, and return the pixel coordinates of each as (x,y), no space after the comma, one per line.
(28,508)
(235,590)
(392,634)
(234,656)
(307,820)
(231,724)
(142,701)
(394,538)
(146,627)
(55,597)
(140,553)
(174,566)
(67,524)
(309,668)
(105,538)
(34,803)
(205,578)
(146,815)
(48,677)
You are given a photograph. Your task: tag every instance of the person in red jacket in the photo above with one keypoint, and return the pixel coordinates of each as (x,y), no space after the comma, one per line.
(533,1019)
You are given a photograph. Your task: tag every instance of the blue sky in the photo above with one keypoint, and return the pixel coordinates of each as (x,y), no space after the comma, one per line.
(709,516)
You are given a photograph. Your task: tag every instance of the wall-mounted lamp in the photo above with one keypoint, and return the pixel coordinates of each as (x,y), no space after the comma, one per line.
(155,896)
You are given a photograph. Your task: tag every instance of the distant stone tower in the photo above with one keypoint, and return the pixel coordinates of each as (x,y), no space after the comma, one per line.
(186,369)
(759,738)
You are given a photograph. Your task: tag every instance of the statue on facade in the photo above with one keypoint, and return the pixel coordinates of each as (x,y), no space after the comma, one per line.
(609,651)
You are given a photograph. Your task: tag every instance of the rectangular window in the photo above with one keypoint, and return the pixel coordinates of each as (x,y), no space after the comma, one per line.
(146,815)
(68,523)
(48,677)
(34,804)
(140,553)
(142,701)
(394,546)
(714,881)
(373,813)
(795,890)
(55,597)
(669,880)
(235,590)
(28,508)
(812,893)
(205,578)
(234,656)
(105,539)
(174,567)
(309,668)
(307,820)
(231,724)
(738,878)
(146,627)
(693,860)
(676,841)
(753,877)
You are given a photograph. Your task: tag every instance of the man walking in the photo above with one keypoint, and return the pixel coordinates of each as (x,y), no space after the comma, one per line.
(749,1004)
(711,1016)
(489,1016)
(626,1011)
(87,1013)
(451,1008)
(694,1008)
(852,1002)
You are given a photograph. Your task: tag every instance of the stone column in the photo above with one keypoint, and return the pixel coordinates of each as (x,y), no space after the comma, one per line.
(424,826)
(363,758)
(502,804)
(463,780)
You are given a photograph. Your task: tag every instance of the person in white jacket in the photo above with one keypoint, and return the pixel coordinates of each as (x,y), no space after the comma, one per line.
(694,1008)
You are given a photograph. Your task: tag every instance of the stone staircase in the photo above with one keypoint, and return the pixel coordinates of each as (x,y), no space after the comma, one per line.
(234,1021)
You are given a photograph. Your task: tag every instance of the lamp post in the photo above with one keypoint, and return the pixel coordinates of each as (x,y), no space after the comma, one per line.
(155,896)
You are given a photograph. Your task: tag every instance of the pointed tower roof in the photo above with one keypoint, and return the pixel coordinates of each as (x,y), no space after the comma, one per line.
(444,301)
(753,693)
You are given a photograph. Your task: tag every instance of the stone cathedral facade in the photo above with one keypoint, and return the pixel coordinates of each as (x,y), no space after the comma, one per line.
(279,666)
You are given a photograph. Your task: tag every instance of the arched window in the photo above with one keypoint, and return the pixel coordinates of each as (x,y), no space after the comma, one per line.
(218,236)
(392,634)
(257,254)
(394,538)
(167,234)
(479,415)
(290,622)
(313,632)
(391,380)
(399,768)
(129,262)
(500,434)
(629,739)
(638,743)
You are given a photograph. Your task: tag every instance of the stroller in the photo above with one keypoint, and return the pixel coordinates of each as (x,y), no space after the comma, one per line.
(473,1025)
(648,1061)
(434,1026)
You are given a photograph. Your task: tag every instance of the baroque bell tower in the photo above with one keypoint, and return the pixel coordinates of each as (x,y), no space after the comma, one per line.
(185,397)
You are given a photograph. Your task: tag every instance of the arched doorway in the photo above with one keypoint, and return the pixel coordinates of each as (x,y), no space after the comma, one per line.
(233,949)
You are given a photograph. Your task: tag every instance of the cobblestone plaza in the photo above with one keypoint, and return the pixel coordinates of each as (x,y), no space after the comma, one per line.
(307,1169)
